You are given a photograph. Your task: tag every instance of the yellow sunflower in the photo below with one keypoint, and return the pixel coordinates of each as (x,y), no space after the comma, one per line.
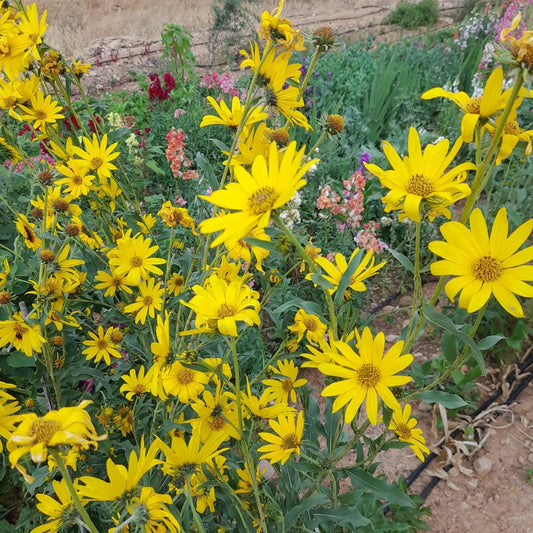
(279,30)
(8,417)
(175,284)
(334,271)
(262,406)
(153,515)
(42,111)
(65,427)
(423,179)
(232,118)
(97,156)
(148,302)
(76,181)
(217,414)
(286,439)
(111,283)
(285,99)
(123,480)
(136,383)
(23,336)
(365,375)
(511,134)
(254,195)
(309,325)
(33,28)
(183,458)
(271,65)
(183,382)
(482,265)
(478,111)
(60,510)
(223,305)
(101,346)
(404,426)
(281,387)
(27,230)
(132,259)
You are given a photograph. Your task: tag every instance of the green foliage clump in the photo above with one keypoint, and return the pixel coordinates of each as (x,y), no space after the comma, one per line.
(409,15)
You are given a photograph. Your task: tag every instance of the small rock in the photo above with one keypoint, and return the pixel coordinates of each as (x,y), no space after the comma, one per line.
(482,466)
(530,457)
(405,301)
(388,309)
(270,473)
(391,338)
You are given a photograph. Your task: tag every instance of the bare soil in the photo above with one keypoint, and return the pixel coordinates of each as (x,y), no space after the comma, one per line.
(487,490)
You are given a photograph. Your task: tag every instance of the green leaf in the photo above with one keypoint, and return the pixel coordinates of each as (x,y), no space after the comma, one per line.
(311,308)
(490,341)
(152,165)
(267,245)
(447,399)
(402,259)
(347,276)
(321,282)
(447,325)
(19,360)
(364,480)
(344,515)
(292,516)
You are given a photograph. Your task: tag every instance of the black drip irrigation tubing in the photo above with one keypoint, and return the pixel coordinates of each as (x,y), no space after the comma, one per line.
(524,381)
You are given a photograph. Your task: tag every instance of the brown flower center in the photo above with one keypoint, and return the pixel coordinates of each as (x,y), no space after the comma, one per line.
(136,261)
(77,179)
(419,185)
(148,300)
(40,114)
(512,128)
(403,431)
(287,385)
(102,344)
(473,106)
(262,200)
(487,269)
(310,324)
(368,375)
(19,330)
(217,423)
(226,310)
(43,430)
(289,442)
(97,162)
(139,389)
(184,376)
(4,46)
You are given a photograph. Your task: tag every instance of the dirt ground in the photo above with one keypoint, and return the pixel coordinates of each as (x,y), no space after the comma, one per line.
(486,491)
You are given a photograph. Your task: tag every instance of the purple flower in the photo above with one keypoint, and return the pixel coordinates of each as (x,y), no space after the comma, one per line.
(365,158)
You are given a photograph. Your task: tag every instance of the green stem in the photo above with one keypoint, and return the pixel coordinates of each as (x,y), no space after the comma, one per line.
(167,270)
(480,178)
(242,441)
(461,359)
(312,66)
(303,254)
(417,294)
(75,500)
(196,517)
(124,524)
(317,144)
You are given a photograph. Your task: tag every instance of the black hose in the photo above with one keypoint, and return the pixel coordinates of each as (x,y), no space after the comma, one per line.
(512,397)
